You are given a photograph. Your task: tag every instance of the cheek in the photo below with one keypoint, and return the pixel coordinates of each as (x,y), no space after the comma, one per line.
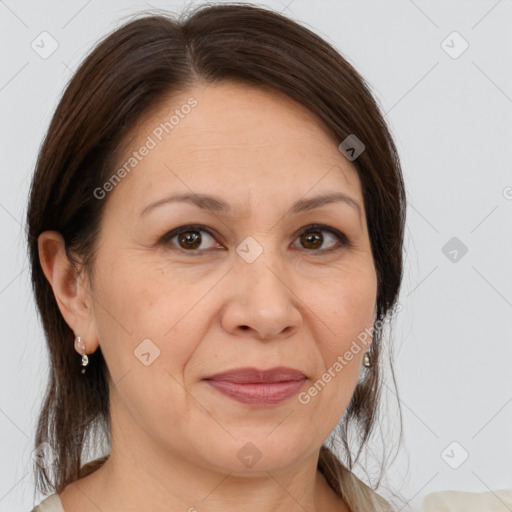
(344,307)
(343,313)
(147,338)
(144,318)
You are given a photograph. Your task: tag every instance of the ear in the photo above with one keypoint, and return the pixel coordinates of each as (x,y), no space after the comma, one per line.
(71,290)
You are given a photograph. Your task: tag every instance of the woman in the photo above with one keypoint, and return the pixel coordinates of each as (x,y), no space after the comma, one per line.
(215,230)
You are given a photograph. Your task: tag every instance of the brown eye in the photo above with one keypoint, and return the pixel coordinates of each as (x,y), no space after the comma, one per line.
(312,239)
(190,238)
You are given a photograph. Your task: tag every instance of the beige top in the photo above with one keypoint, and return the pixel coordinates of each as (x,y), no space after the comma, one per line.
(53,503)
(50,504)
(433,502)
(456,501)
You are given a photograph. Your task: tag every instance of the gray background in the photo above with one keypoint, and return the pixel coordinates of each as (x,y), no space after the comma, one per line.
(451,119)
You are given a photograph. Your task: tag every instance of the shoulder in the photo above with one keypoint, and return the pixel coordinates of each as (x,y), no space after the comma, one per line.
(50,504)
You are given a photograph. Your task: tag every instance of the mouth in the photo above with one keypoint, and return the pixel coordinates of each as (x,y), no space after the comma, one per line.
(258,387)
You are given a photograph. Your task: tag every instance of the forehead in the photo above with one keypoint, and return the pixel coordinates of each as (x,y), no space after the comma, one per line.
(233,140)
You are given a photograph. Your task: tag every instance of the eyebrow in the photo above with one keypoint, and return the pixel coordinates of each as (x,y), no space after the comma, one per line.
(216,204)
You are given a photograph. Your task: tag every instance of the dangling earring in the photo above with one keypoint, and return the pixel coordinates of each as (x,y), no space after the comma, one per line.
(85,359)
(366,360)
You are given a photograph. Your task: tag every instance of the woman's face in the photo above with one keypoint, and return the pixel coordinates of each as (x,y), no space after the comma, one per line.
(256,287)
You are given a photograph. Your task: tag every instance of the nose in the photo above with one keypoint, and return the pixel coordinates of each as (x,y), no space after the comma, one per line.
(261,301)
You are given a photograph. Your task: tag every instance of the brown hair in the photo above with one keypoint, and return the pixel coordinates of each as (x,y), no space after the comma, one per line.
(128,74)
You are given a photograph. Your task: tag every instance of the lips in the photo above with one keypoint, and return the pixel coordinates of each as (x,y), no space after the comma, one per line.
(257,376)
(258,387)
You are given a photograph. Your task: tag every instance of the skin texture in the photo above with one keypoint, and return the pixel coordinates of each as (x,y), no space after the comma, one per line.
(175,440)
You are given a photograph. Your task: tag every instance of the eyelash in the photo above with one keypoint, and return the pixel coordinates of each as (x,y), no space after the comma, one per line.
(343,241)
